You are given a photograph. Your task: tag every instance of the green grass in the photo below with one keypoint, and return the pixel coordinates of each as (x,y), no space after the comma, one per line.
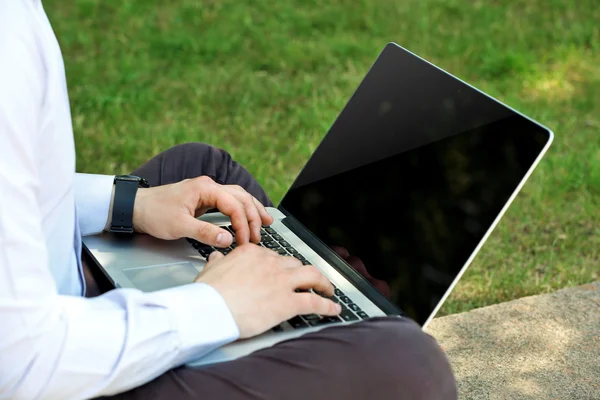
(265,79)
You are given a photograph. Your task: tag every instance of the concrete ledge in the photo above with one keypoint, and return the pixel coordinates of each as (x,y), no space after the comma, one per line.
(538,347)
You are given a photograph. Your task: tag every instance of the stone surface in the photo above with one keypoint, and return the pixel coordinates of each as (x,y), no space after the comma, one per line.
(538,347)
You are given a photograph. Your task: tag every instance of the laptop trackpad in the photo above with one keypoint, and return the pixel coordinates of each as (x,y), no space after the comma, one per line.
(156,277)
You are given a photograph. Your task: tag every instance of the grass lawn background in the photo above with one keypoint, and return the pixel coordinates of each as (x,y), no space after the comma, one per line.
(265,80)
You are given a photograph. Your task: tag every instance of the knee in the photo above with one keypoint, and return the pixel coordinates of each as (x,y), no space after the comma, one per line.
(404,361)
(199,148)
(203,159)
(207,159)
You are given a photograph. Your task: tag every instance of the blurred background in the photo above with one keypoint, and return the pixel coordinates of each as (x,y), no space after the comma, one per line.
(265,80)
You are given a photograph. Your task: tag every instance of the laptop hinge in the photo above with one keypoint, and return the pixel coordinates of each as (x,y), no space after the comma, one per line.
(339,264)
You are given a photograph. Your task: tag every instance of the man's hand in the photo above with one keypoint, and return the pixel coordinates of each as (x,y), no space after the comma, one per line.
(259,286)
(170,211)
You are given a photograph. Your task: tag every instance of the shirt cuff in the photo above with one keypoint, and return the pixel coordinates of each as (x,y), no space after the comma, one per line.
(93,194)
(200,316)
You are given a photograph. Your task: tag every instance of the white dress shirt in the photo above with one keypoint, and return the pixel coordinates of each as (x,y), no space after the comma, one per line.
(54,343)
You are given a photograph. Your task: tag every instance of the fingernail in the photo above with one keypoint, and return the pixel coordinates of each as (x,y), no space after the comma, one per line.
(338,308)
(224,239)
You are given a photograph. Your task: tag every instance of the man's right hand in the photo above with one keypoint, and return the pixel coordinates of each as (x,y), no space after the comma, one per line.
(259,286)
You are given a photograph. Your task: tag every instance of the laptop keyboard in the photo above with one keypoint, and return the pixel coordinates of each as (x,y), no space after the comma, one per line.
(273,241)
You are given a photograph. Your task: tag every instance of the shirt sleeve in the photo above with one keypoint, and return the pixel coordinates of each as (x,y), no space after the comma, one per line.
(62,347)
(93,194)
(120,340)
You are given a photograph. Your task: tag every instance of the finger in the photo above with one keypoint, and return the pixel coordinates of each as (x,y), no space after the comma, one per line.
(309,277)
(230,206)
(265,217)
(288,261)
(254,219)
(206,232)
(311,303)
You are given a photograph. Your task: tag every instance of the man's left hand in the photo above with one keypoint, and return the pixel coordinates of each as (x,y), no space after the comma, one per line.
(170,211)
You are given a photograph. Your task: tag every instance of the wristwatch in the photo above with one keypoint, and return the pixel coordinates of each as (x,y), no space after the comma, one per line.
(126,187)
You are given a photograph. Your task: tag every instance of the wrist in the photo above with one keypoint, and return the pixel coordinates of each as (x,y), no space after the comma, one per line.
(139,215)
(124,198)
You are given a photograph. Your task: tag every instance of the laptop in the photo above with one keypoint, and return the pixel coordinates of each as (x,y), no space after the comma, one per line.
(392,206)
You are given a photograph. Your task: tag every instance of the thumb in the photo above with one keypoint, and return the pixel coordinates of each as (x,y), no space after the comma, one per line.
(206,233)
(214,256)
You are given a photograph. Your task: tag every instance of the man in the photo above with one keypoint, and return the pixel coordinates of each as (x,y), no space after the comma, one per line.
(55,343)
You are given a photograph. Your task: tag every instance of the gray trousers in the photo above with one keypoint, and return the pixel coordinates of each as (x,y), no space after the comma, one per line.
(381,358)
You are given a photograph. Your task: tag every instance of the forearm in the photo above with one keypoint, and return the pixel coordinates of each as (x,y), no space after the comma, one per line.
(111,204)
(82,348)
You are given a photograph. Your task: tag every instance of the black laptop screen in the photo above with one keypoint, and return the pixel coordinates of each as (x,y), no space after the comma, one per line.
(411,176)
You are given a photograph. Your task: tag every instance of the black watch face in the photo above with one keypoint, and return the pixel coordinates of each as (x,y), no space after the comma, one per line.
(132,178)
(128,178)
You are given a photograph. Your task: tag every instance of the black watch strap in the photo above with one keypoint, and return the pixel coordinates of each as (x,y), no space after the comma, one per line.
(126,187)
